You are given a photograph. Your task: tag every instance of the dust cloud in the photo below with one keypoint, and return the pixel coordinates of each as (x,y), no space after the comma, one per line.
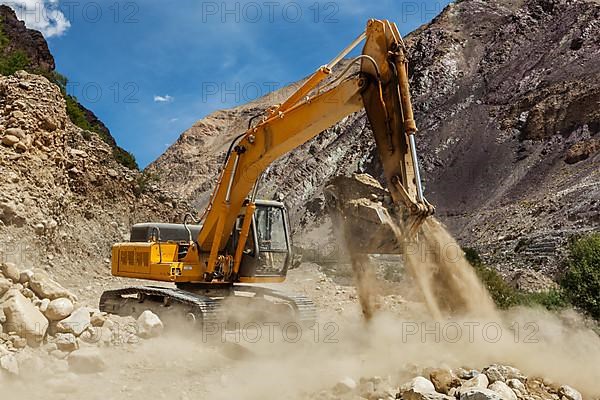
(447,281)
(464,328)
(258,361)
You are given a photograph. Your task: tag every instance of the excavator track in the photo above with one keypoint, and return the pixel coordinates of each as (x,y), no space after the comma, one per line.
(305,309)
(205,310)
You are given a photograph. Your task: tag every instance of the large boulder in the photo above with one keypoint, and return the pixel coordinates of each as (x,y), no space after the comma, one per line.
(420,388)
(502,373)
(517,386)
(149,325)
(23,318)
(418,384)
(76,323)
(86,360)
(46,288)
(59,309)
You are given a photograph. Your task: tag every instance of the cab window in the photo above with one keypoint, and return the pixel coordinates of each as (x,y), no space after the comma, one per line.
(270,228)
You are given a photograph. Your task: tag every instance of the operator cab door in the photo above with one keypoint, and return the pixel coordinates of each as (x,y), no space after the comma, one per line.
(268,248)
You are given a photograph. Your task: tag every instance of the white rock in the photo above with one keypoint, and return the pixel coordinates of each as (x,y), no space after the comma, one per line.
(503,390)
(92,335)
(59,309)
(417,385)
(23,318)
(516,385)
(479,394)
(345,385)
(479,381)
(76,323)
(86,361)
(569,393)
(149,325)
(502,373)
(10,364)
(44,305)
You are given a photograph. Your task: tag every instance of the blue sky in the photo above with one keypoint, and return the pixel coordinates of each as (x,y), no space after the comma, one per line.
(149,69)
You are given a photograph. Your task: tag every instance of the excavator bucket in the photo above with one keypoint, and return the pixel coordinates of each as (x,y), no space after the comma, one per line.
(363,209)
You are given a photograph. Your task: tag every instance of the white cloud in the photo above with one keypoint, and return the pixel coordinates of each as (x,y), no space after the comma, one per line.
(164,99)
(42,15)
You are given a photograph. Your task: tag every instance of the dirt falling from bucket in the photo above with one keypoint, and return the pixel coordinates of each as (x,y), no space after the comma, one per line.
(448,283)
(366,284)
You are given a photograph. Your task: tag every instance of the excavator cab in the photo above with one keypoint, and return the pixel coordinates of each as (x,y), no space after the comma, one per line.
(268,249)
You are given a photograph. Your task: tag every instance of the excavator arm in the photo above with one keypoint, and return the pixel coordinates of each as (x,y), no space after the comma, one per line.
(380,86)
(212,252)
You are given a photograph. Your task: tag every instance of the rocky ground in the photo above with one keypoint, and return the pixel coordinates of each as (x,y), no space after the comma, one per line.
(55,342)
(505,96)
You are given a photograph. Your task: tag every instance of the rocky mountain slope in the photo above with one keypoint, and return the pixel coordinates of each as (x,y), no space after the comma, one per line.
(64,198)
(26,49)
(507,101)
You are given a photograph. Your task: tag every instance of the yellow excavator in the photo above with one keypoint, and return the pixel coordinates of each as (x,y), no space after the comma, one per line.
(241,241)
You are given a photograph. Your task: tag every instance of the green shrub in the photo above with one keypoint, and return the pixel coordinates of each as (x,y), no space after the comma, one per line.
(77,116)
(582,280)
(13,62)
(144,180)
(505,296)
(125,158)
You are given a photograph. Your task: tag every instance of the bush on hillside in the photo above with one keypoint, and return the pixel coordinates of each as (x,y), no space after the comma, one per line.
(505,296)
(581,283)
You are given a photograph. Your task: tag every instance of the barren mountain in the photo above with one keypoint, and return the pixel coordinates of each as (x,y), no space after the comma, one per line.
(507,98)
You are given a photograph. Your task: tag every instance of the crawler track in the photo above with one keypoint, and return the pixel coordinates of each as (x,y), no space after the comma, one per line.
(204,309)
